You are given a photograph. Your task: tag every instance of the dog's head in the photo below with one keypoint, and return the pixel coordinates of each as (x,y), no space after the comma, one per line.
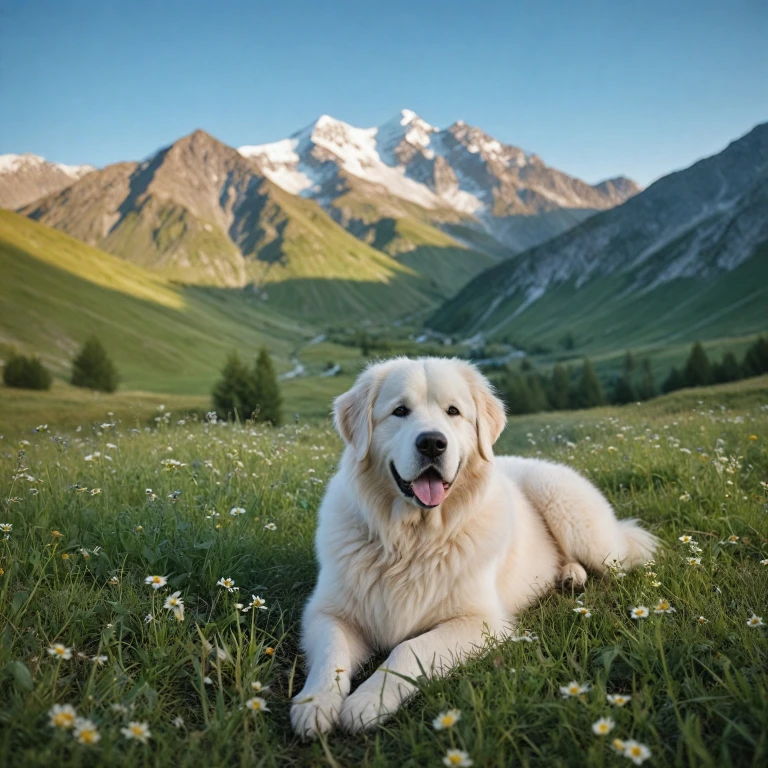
(419,423)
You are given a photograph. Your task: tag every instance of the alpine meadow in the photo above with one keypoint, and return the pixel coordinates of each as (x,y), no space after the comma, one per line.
(215,220)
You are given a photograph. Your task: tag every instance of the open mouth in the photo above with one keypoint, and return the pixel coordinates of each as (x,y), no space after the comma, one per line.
(428,489)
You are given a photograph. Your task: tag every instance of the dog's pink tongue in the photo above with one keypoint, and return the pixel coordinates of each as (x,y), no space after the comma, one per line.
(429,489)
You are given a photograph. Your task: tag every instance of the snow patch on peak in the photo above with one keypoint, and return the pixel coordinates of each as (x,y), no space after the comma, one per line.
(11,163)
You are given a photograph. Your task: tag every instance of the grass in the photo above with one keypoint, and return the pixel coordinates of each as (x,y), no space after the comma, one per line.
(693,463)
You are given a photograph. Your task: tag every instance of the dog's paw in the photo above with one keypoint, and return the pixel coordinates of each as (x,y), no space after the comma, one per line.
(365,709)
(315,712)
(573,575)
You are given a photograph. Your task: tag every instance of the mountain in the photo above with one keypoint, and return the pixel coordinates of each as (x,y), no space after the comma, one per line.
(24,178)
(688,256)
(455,175)
(199,212)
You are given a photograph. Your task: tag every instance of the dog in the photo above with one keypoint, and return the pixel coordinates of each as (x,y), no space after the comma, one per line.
(428,544)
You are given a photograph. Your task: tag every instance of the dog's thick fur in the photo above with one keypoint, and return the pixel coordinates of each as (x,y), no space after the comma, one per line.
(429,584)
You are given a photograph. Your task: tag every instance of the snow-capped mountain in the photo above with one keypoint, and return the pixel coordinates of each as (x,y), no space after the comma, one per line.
(705,225)
(501,188)
(24,178)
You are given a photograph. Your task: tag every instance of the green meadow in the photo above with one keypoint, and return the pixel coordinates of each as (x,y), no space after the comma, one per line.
(89,514)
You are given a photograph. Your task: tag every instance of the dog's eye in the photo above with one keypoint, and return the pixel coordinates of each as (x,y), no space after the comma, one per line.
(453,411)
(401,411)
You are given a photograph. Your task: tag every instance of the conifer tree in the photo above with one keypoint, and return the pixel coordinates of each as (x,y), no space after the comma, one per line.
(646,389)
(232,392)
(675,380)
(23,372)
(266,390)
(588,393)
(559,396)
(697,371)
(756,358)
(93,368)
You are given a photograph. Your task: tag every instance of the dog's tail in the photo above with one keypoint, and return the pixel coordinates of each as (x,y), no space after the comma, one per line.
(639,544)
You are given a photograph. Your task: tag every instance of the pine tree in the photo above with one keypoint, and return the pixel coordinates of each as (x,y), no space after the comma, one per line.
(26,373)
(93,369)
(537,395)
(559,394)
(646,389)
(728,369)
(756,358)
(266,390)
(588,392)
(675,380)
(232,394)
(697,371)
(516,393)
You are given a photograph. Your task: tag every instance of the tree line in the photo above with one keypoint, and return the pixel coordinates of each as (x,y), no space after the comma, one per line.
(526,390)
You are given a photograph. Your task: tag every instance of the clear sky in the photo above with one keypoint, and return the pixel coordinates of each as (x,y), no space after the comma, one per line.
(597,89)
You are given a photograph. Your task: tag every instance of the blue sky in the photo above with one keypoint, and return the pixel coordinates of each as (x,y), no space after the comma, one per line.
(595,88)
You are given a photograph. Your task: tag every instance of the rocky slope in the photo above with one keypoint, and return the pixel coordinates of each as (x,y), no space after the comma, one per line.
(456,174)
(24,178)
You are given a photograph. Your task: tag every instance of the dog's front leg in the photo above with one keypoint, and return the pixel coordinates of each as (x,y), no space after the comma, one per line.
(434,654)
(332,649)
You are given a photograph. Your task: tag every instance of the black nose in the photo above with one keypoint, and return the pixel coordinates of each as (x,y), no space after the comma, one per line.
(431,444)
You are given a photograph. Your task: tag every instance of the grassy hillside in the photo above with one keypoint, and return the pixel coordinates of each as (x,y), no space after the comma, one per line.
(603,315)
(55,291)
(698,686)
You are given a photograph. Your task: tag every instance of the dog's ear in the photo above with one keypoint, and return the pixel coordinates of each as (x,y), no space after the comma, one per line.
(491,418)
(353,415)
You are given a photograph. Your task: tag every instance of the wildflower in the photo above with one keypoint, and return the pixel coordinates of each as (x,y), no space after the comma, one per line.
(638,753)
(173,495)
(685,539)
(149,618)
(753,437)
(258,687)
(95,491)
(618,746)
(526,636)
(269,651)
(456,757)
(99,659)
(655,583)
(228,584)
(755,621)
(702,620)
(764,562)
(137,731)
(64,556)
(86,731)
(256,603)
(693,561)
(603,726)
(685,497)
(212,515)
(114,580)
(57,534)
(139,528)
(172,601)
(664,606)
(178,721)
(446,719)
(271,527)
(207,680)
(156,582)
(257,704)
(60,651)
(235,511)
(573,689)
(6,527)
(641,612)
(733,539)
(178,612)
(618,699)
(62,716)
(581,610)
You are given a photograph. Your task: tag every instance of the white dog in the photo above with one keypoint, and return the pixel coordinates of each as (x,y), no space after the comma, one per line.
(428,544)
